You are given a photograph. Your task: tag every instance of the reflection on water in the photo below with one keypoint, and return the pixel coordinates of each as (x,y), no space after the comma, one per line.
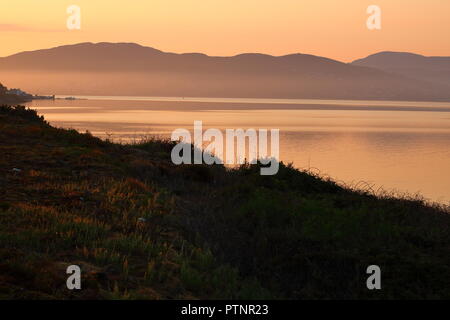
(394,146)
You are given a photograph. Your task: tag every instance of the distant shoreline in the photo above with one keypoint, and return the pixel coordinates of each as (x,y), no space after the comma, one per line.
(202,103)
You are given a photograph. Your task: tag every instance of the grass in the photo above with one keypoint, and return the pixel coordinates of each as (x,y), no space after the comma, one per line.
(142,228)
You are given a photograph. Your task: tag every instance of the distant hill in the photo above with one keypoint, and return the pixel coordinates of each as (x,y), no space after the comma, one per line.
(434,69)
(131,69)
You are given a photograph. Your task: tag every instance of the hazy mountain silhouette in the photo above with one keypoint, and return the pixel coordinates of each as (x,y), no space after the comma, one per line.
(434,69)
(131,69)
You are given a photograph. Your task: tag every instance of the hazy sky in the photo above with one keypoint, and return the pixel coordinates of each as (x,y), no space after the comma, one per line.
(332,28)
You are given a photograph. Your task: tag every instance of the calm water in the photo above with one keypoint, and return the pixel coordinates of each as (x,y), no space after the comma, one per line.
(403,146)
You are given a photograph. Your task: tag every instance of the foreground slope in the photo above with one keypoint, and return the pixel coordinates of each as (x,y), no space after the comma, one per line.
(140,227)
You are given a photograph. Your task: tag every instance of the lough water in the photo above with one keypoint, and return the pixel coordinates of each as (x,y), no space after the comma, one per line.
(402,146)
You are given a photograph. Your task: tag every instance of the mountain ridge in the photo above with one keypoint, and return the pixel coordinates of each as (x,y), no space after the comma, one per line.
(435,69)
(133,69)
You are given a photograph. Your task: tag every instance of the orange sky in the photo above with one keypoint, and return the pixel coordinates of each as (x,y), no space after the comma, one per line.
(332,28)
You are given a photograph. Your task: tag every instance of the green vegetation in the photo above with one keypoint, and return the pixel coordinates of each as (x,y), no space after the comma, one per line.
(142,228)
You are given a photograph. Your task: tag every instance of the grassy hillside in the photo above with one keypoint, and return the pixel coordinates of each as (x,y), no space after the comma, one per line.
(141,227)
